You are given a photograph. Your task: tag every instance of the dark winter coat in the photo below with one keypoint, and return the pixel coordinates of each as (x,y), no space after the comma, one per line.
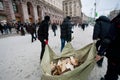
(43,30)
(31,29)
(66,30)
(102,31)
(54,27)
(1,27)
(101,28)
(113,52)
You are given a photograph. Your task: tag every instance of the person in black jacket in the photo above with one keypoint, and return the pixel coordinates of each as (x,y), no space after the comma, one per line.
(54,28)
(43,34)
(1,28)
(100,33)
(32,31)
(113,51)
(66,31)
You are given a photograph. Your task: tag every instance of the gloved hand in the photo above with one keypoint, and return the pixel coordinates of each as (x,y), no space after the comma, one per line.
(46,42)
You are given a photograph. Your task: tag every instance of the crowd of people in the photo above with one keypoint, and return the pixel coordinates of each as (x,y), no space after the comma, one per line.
(5,28)
(106,34)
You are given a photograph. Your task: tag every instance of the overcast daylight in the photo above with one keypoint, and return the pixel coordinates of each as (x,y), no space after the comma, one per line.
(59,39)
(103,7)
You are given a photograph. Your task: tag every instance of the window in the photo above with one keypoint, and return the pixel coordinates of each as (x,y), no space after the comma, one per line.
(66,8)
(1,5)
(15,8)
(70,6)
(38,9)
(28,6)
(65,3)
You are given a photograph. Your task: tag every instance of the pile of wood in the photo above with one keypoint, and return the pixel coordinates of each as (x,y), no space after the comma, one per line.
(64,65)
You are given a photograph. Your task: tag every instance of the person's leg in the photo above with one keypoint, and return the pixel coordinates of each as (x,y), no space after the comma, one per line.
(55,33)
(62,44)
(1,31)
(32,36)
(43,49)
(111,73)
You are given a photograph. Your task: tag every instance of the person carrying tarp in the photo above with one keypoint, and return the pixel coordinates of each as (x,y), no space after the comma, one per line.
(113,51)
(43,34)
(100,33)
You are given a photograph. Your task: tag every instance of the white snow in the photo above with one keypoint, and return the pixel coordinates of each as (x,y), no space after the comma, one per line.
(19,58)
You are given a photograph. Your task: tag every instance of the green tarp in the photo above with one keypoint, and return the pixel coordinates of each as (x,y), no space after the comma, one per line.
(86,54)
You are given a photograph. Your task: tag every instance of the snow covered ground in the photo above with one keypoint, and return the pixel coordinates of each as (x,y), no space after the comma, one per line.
(19,58)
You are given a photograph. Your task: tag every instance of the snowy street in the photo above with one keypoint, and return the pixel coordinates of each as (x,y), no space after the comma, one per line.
(19,58)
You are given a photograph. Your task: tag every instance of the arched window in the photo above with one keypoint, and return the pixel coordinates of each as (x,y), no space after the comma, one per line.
(1,5)
(15,7)
(29,7)
(38,10)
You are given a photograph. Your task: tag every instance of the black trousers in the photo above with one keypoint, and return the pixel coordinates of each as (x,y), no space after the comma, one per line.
(43,49)
(33,37)
(113,70)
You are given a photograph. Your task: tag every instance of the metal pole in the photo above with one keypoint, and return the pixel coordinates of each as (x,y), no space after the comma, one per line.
(95,10)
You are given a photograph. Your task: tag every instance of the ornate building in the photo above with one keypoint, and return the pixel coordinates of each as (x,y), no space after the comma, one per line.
(29,11)
(57,3)
(113,14)
(73,8)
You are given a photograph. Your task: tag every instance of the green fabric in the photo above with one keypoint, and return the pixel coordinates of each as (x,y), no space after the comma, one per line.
(86,54)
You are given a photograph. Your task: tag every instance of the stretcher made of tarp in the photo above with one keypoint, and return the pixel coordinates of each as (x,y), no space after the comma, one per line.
(86,54)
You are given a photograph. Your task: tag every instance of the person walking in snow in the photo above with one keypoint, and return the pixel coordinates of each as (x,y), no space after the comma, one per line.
(66,31)
(54,28)
(100,33)
(43,34)
(32,31)
(113,51)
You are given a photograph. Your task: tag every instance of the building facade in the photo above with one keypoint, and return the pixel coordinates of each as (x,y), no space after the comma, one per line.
(73,8)
(57,3)
(85,18)
(113,14)
(29,11)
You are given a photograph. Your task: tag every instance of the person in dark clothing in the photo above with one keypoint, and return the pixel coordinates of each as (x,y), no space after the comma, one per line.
(9,27)
(83,26)
(100,33)
(18,27)
(26,27)
(113,51)
(66,31)
(5,28)
(54,28)
(22,31)
(35,27)
(1,28)
(43,34)
(32,30)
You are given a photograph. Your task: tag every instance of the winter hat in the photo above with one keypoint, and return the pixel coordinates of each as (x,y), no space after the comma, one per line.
(68,17)
(47,18)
